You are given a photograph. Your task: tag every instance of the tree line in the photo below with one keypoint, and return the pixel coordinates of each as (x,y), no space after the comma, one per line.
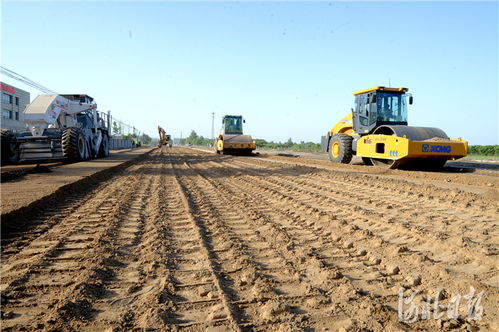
(195,139)
(288,145)
(484,150)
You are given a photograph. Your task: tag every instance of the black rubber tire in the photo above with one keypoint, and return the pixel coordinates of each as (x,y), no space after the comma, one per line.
(104,146)
(345,153)
(367,161)
(73,144)
(10,147)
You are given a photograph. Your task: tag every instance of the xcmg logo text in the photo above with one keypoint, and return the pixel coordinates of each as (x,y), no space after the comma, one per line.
(436,148)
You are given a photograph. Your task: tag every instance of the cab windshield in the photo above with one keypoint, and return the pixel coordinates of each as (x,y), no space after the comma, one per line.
(392,107)
(233,125)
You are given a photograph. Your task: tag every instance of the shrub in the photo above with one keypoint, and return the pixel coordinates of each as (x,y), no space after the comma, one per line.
(484,150)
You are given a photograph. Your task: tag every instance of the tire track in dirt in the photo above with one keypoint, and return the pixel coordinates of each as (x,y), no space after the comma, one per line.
(120,275)
(256,273)
(314,205)
(408,225)
(224,310)
(14,238)
(142,304)
(307,295)
(436,271)
(469,180)
(189,241)
(47,283)
(13,242)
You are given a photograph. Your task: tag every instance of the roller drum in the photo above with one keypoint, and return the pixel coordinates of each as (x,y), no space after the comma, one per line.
(412,133)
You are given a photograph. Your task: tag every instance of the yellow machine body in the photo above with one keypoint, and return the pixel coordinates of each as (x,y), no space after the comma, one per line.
(344,126)
(235,142)
(231,139)
(388,144)
(403,150)
(164,138)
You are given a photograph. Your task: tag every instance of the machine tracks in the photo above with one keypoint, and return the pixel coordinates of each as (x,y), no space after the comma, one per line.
(188,241)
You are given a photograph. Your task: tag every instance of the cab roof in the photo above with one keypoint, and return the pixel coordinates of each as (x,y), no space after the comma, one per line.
(381,88)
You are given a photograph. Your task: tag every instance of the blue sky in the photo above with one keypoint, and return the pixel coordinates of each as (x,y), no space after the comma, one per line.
(288,67)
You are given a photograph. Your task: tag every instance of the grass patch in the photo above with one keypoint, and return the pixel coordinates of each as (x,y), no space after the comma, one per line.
(481,157)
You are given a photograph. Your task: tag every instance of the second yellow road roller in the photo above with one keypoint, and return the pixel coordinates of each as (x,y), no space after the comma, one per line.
(231,139)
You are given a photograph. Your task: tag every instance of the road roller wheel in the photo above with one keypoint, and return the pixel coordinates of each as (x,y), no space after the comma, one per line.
(340,148)
(73,144)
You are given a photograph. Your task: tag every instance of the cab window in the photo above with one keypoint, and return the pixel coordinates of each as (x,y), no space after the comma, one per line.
(234,125)
(391,107)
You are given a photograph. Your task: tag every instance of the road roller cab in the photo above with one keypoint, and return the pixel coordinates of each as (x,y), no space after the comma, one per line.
(376,130)
(379,106)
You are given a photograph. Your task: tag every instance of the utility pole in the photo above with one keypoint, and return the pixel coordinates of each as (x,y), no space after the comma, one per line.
(212,124)
(109,122)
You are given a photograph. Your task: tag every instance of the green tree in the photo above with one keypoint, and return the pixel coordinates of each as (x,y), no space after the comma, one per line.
(192,137)
(195,139)
(130,136)
(145,139)
(288,144)
(116,128)
(484,150)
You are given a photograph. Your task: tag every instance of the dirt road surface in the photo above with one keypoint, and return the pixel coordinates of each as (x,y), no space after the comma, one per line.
(186,240)
(25,184)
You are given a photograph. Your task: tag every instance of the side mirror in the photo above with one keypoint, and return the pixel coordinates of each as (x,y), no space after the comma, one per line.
(351,109)
(244,121)
(411,100)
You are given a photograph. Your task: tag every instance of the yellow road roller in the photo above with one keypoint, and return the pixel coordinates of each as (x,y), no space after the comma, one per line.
(376,130)
(231,139)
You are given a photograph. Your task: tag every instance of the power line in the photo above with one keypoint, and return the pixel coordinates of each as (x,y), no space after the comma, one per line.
(25,80)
